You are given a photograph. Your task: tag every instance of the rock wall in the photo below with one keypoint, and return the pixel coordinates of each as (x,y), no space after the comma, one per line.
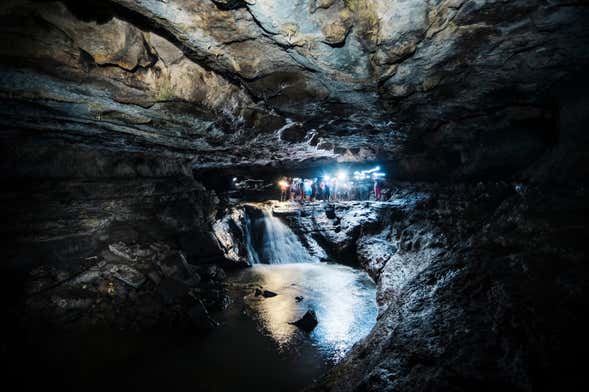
(100,121)
(479,286)
(92,228)
(106,108)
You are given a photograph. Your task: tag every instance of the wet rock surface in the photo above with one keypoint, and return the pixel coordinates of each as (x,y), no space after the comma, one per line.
(264,293)
(473,283)
(308,322)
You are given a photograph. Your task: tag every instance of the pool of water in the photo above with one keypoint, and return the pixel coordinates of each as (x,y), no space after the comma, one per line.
(343,299)
(255,348)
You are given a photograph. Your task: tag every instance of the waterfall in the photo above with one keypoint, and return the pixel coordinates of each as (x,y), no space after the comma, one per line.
(269,241)
(252,254)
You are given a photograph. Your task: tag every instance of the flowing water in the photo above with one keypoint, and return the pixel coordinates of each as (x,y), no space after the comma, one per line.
(258,347)
(254,348)
(270,241)
(343,298)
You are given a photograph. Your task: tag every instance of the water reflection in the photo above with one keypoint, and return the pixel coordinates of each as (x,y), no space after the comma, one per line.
(343,299)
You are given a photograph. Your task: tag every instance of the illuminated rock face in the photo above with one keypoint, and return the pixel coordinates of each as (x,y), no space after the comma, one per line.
(442,88)
(472,281)
(107,108)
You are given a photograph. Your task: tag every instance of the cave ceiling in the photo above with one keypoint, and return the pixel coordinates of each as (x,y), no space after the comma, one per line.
(231,83)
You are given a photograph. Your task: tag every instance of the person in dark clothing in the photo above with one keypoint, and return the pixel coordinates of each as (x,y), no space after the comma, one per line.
(325,189)
(294,186)
(301,190)
(317,188)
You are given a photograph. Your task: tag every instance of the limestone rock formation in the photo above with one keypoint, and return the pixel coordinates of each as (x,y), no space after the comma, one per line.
(214,82)
(308,322)
(114,113)
(472,285)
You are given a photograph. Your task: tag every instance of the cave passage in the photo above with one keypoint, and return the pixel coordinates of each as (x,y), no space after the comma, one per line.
(277,195)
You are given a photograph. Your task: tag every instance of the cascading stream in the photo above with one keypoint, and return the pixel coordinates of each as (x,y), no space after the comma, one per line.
(252,254)
(270,241)
(343,300)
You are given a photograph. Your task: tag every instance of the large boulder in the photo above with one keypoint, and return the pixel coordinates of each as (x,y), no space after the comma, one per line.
(308,322)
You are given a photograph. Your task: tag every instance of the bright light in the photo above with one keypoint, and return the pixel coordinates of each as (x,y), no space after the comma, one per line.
(234,179)
(326,177)
(342,175)
(372,170)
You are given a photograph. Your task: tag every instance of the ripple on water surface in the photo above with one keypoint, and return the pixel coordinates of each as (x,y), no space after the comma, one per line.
(343,299)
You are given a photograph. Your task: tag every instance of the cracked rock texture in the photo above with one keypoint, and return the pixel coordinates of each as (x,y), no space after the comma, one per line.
(438,87)
(479,286)
(109,108)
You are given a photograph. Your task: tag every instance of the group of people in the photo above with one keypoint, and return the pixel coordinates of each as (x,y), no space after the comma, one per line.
(329,189)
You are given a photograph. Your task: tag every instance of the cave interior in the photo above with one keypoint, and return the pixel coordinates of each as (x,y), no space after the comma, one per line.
(143,148)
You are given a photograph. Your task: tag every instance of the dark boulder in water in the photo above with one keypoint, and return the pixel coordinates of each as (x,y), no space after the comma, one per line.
(264,293)
(308,322)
